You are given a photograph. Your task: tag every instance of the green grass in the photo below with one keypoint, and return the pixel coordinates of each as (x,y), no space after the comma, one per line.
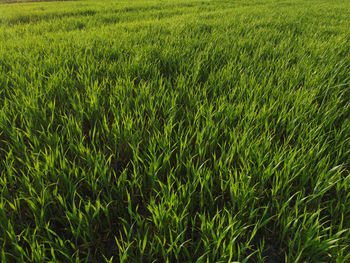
(175,131)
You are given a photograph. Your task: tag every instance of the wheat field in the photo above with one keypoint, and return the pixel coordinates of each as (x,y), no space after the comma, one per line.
(175,131)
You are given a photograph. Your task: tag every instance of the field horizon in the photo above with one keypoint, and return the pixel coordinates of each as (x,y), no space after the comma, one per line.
(175,131)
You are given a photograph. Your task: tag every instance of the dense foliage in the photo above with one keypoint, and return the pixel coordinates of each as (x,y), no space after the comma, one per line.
(175,131)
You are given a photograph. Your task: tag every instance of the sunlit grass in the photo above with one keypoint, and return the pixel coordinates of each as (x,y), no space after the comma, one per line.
(175,131)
